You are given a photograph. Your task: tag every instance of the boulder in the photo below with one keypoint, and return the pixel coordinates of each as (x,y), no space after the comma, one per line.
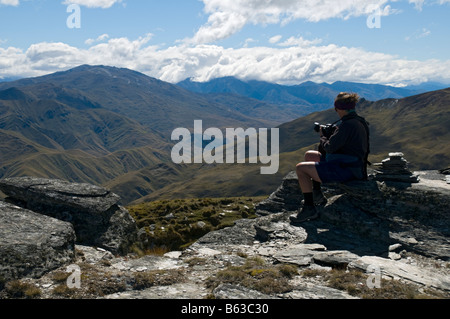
(94,212)
(287,197)
(32,244)
(369,216)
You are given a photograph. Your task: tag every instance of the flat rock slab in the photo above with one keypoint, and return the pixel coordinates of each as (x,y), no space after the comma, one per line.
(149,263)
(301,255)
(334,258)
(310,291)
(183,291)
(279,230)
(32,244)
(401,270)
(234,292)
(84,197)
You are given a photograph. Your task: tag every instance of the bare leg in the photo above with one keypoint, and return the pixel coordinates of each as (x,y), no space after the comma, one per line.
(306,172)
(313,156)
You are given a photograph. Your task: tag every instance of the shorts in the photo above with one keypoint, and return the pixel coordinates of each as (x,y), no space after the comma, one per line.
(337,172)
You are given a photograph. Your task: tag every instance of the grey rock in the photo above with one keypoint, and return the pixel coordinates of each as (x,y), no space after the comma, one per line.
(32,244)
(301,255)
(266,231)
(363,225)
(317,292)
(401,270)
(230,292)
(287,197)
(366,217)
(93,211)
(395,247)
(395,168)
(243,233)
(336,258)
(148,263)
(53,192)
(92,255)
(183,291)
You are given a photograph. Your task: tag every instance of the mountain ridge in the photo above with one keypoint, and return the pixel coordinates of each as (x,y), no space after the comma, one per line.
(305,94)
(77,125)
(141,98)
(415,126)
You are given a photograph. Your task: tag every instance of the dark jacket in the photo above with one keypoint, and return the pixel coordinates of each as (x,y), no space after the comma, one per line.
(352,137)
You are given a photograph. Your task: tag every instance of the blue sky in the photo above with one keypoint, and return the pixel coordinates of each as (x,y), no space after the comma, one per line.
(283,41)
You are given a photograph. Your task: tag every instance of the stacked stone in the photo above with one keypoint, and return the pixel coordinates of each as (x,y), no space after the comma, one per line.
(395,168)
(446,172)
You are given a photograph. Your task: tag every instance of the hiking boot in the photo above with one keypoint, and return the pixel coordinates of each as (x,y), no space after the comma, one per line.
(306,213)
(319,199)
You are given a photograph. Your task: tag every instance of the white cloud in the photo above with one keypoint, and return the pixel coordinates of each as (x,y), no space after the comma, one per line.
(418,4)
(10,2)
(293,61)
(422,33)
(275,39)
(101,38)
(93,3)
(249,41)
(293,41)
(227,17)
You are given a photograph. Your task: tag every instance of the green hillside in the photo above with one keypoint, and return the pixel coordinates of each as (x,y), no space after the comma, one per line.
(112,127)
(416,126)
(155,104)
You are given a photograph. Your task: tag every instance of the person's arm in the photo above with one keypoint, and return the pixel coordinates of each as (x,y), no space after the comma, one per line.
(336,141)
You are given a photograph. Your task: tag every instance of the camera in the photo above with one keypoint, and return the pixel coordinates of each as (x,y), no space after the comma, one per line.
(327,130)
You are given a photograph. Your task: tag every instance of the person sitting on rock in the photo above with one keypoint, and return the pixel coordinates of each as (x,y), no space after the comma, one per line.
(342,157)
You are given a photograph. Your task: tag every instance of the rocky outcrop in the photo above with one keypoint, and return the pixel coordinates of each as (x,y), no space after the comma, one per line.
(375,214)
(32,244)
(397,229)
(93,211)
(392,229)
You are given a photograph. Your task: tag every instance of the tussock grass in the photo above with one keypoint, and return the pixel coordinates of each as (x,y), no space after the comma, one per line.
(17,289)
(176,224)
(258,275)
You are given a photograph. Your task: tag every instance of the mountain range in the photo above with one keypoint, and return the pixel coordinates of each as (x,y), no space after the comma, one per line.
(112,127)
(310,96)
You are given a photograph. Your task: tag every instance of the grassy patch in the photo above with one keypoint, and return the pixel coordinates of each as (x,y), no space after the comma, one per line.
(257,275)
(149,279)
(18,289)
(176,224)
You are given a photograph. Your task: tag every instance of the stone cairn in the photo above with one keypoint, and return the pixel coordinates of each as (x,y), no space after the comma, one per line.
(395,168)
(446,172)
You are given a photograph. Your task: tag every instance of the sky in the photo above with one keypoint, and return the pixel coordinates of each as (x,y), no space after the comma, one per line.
(394,42)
